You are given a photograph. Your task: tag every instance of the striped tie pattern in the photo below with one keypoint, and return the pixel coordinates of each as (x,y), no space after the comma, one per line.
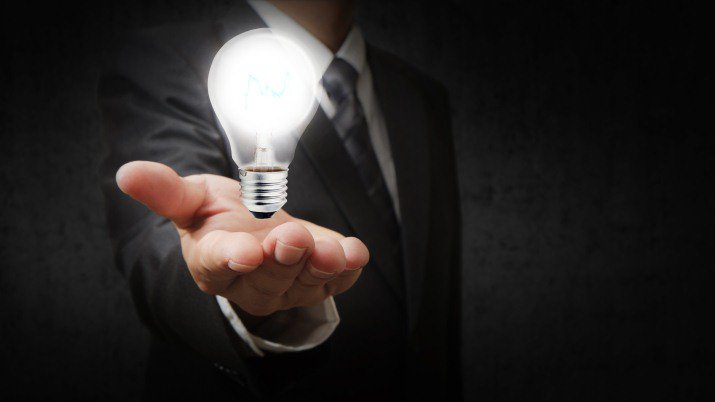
(349,121)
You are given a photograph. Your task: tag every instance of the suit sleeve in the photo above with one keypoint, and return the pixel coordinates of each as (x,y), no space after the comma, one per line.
(155,107)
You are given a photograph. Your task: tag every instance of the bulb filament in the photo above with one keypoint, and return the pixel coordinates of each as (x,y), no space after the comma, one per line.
(264,89)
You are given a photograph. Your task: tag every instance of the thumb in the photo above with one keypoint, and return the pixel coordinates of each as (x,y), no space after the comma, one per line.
(162,190)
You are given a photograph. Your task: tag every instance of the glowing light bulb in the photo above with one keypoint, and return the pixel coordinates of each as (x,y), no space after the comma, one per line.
(262,87)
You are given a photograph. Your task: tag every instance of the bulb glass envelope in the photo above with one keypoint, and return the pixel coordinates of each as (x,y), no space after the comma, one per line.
(263,89)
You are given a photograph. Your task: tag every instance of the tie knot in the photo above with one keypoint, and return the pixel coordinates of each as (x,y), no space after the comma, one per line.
(339,80)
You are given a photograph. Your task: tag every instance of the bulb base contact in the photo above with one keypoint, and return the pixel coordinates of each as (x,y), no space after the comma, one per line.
(263,190)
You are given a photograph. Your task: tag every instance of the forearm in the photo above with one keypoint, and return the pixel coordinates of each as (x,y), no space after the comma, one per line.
(171,305)
(167,298)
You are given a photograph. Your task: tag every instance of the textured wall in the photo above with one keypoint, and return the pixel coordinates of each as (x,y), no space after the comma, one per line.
(582,166)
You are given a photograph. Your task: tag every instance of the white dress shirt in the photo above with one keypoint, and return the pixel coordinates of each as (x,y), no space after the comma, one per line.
(304,328)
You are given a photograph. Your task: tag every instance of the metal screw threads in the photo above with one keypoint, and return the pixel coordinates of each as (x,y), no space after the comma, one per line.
(263,192)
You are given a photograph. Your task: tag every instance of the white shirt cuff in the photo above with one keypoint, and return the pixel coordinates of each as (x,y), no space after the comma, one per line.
(293,330)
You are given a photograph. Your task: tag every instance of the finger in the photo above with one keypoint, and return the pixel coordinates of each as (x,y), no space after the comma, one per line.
(285,250)
(357,256)
(162,190)
(326,262)
(356,253)
(220,256)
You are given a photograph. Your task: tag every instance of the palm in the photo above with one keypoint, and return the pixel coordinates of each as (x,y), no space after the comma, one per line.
(222,210)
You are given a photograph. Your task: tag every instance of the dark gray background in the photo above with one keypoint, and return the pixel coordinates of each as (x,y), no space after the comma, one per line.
(583,162)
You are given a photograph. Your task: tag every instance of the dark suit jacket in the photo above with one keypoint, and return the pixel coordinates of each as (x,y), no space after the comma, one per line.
(395,339)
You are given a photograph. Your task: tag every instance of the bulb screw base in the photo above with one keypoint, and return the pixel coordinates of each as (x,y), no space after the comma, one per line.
(263,192)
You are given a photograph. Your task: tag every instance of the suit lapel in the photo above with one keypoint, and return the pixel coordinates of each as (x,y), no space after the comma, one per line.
(326,152)
(404,113)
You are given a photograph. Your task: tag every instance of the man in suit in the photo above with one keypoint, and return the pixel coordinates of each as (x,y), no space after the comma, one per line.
(287,307)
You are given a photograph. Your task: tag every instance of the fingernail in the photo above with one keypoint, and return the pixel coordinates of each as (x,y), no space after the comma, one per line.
(119,176)
(288,255)
(240,268)
(320,274)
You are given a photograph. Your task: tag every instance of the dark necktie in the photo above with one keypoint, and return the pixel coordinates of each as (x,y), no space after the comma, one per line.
(349,121)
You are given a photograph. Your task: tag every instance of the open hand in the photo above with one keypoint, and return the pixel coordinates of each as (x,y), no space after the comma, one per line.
(260,265)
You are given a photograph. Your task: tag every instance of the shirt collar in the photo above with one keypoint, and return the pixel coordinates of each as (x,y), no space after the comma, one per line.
(352,50)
